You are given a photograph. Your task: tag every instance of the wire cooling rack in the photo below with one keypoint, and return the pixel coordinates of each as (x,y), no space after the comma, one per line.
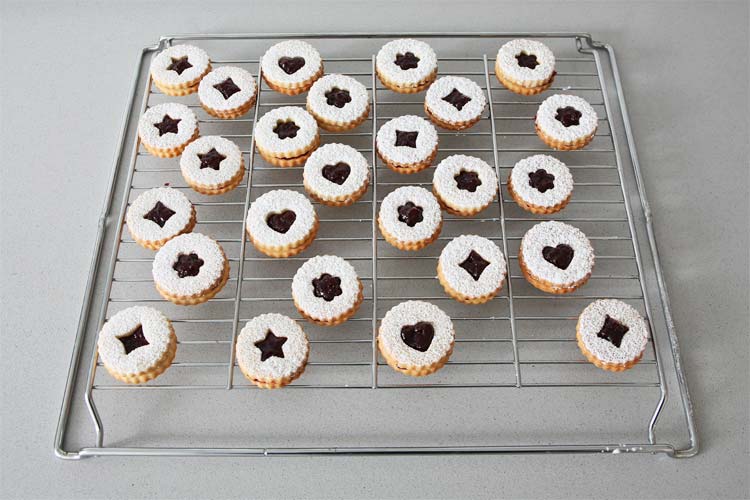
(516,381)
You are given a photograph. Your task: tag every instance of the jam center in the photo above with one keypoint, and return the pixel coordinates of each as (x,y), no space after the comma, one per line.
(326,286)
(212,159)
(337,173)
(187,265)
(406,61)
(281,222)
(541,180)
(613,331)
(271,346)
(291,65)
(134,340)
(286,130)
(408,139)
(338,97)
(457,99)
(418,336)
(527,60)
(167,125)
(179,65)
(410,214)
(467,180)
(568,116)
(474,264)
(227,88)
(559,256)
(160,214)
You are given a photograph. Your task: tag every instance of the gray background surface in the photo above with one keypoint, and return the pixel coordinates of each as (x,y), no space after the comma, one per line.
(65,75)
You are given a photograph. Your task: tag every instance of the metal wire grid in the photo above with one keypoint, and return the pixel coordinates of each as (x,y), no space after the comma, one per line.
(485,141)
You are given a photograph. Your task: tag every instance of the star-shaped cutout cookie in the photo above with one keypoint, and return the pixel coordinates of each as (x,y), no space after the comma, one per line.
(133,340)
(227,88)
(179,65)
(212,159)
(160,214)
(271,346)
(167,125)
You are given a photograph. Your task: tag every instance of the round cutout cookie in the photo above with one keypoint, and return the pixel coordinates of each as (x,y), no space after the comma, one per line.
(291,66)
(177,70)
(406,65)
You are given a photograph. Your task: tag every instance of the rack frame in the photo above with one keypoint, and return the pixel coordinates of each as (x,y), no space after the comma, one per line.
(82,376)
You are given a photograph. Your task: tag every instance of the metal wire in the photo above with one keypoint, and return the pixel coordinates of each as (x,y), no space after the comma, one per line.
(245,285)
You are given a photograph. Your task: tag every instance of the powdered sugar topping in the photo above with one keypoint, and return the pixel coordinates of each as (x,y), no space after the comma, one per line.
(295,348)
(196,57)
(186,127)
(157,330)
(318,307)
(211,97)
(291,49)
(190,162)
(633,342)
(446,111)
(410,313)
(431,216)
(317,101)
(551,234)
(269,140)
(506,60)
(331,154)
(148,230)
(426,141)
(445,184)
(457,251)
(545,118)
(563,181)
(208,275)
(386,65)
(276,202)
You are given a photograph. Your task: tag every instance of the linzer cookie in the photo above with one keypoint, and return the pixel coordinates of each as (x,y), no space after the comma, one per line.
(286,136)
(526,67)
(566,122)
(281,223)
(410,218)
(272,350)
(454,102)
(327,290)
(416,338)
(464,185)
(471,269)
(541,184)
(165,129)
(291,67)
(338,102)
(406,66)
(212,165)
(556,257)
(612,334)
(407,144)
(336,175)
(190,269)
(158,215)
(179,69)
(227,92)
(137,344)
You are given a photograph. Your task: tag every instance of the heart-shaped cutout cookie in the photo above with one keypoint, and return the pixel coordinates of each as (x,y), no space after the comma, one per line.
(337,173)
(418,336)
(281,222)
(559,256)
(291,65)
